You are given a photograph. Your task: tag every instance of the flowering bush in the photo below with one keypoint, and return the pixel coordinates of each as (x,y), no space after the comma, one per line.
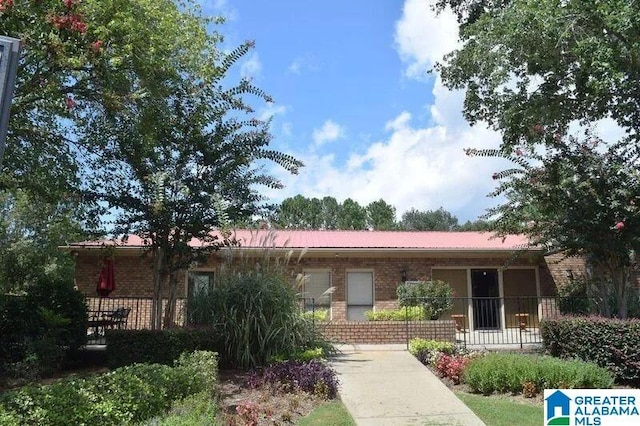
(314,377)
(452,366)
(428,351)
(249,413)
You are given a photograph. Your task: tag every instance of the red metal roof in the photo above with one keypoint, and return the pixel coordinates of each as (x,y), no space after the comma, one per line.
(299,239)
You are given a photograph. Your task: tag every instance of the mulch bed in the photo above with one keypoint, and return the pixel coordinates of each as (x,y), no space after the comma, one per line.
(267,405)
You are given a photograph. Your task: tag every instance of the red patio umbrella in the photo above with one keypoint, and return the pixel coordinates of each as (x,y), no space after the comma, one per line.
(106,282)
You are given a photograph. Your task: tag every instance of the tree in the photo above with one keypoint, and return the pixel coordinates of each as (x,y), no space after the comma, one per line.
(531,68)
(299,212)
(181,161)
(352,215)
(330,208)
(478,225)
(579,199)
(31,231)
(82,58)
(429,220)
(381,216)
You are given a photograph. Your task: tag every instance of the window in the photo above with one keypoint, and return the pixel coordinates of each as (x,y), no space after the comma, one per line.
(316,286)
(199,281)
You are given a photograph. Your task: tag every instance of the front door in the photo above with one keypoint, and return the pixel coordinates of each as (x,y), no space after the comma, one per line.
(486,298)
(359,295)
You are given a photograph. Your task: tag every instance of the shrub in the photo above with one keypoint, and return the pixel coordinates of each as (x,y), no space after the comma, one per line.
(515,373)
(434,296)
(257,311)
(410,313)
(38,330)
(427,351)
(317,315)
(126,395)
(610,343)
(451,366)
(313,377)
(125,347)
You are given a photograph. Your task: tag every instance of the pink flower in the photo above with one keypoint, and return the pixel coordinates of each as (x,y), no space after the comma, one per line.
(5,4)
(518,152)
(538,129)
(96,46)
(71,103)
(618,226)
(68,3)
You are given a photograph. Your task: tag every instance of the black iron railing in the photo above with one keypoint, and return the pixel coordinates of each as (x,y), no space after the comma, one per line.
(485,321)
(131,313)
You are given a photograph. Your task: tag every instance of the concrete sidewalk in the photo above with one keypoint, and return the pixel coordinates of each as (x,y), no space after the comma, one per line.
(386,385)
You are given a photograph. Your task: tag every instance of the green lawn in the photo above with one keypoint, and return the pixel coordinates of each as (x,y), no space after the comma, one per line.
(496,411)
(331,413)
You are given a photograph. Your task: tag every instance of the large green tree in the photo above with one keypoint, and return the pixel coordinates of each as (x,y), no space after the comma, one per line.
(381,216)
(529,66)
(428,220)
(579,199)
(535,71)
(183,165)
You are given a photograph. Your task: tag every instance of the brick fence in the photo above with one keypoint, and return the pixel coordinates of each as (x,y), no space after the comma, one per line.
(384,332)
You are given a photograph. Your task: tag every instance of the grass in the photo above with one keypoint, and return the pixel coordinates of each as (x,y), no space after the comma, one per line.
(331,413)
(495,411)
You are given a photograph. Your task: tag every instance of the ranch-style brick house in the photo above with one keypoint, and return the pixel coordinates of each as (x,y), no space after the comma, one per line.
(364,269)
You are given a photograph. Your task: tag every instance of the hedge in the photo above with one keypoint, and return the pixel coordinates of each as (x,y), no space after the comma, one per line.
(127,395)
(126,347)
(610,343)
(530,374)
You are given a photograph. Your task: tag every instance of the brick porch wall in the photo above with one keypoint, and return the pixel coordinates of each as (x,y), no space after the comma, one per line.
(386,332)
(134,274)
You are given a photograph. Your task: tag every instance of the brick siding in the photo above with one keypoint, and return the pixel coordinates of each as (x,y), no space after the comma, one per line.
(134,273)
(386,332)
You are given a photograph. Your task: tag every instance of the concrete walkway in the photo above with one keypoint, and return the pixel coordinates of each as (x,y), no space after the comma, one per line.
(386,385)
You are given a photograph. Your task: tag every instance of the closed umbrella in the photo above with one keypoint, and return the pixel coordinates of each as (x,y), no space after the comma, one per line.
(106,282)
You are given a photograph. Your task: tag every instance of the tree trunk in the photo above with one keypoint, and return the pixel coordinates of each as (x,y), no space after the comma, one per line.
(170,311)
(621,283)
(159,277)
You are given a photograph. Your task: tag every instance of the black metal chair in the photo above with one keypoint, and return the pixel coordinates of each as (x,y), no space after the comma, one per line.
(118,318)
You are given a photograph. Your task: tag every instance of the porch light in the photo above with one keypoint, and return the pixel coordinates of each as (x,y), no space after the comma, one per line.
(403,275)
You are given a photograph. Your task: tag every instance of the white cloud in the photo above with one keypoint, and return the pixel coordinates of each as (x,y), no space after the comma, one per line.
(306,62)
(329,132)
(422,38)
(271,110)
(251,67)
(421,167)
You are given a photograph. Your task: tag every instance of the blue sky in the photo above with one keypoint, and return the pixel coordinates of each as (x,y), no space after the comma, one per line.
(353,100)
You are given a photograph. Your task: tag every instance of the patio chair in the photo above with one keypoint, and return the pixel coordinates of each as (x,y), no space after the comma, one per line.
(118,318)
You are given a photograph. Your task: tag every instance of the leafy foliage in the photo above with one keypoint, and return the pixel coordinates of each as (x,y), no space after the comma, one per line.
(31,230)
(38,330)
(513,373)
(532,64)
(126,347)
(430,220)
(314,377)
(436,297)
(409,313)
(609,343)
(579,198)
(124,396)
(257,311)
(428,351)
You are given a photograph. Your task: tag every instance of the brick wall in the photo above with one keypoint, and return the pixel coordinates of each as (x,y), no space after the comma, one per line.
(134,273)
(386,332)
